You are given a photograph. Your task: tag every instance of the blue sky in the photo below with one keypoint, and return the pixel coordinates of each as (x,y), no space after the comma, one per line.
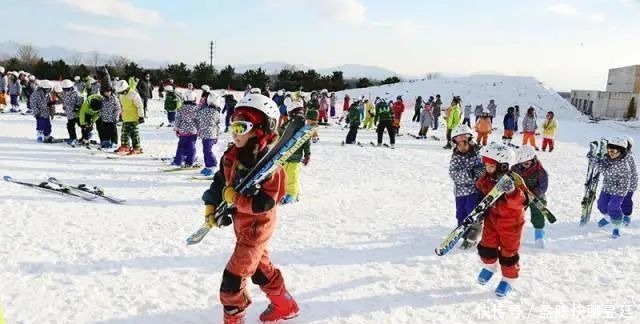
(565,44)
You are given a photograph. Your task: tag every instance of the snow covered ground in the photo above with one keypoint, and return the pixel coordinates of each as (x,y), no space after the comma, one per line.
(357,248)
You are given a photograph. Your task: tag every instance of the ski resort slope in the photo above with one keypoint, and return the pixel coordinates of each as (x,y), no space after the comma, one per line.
(357,248)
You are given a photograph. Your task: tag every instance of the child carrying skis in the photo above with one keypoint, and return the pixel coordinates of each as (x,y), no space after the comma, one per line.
(186,131)
(464,169)
(627,203)
(502,226)
(302,155)
(208,126)
(537,180)
(616,184)
(254,217)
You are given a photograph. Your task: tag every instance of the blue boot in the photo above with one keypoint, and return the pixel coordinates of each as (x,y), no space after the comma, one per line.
(615,233)
(207,172)
(538,235)
(288,199)
(603,222)
(503,289)
(484,276)
(626,220)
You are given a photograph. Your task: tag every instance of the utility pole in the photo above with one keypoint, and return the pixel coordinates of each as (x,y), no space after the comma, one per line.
(212,47)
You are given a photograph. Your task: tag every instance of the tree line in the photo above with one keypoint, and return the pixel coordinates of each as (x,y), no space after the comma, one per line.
(27,59)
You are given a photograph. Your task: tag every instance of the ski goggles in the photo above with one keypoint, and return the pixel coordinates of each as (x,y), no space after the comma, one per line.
(240,127)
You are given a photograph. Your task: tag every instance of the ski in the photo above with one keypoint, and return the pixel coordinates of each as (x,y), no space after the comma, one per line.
(95,192)
(45,186)
(591,182)
(476,216)
(201,178)
(181,168)
(160,126)
(294,136)
(388,146)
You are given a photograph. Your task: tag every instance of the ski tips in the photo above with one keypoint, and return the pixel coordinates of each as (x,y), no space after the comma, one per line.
(7,178)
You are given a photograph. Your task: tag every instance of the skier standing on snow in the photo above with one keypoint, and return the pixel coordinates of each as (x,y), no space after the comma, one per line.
(354,123)
(529,127)
(549,129)
(323,110)
(171,104)
(43,110)
(426,120)
(417,109)
(106,124)
(384,120)
(254,216)
(437,107)
(484,128)
(465,168)
(627,203)
(208,127)
(398,109)
(502,226)
(332,105)
(132,117)
(537,180)
(311,114)
(229,106)
(4,82)
(478,112)
(71,103)
(187,132)
(509,124)
(453,119)
(145,89)
(491,107)
(467,115)
(516,115)
(616,183)
(369,115)
(345,108)
(302,155)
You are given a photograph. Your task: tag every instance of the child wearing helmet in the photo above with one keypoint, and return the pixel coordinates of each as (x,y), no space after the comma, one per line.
(509,123)
(537,180)
(254,217)
(549,129)
(281,99)
(346,105)
(229,106)
(323,110)
(627,203)
(453,119)
(208,127)
(109,114)
(171,104)
(464,169)
(332,105)
(312,114)
(483,127)
(502,227)
(398,109)
(529,128)
(301,156)
(132,115)
(354,123)
(186,131)
(614,167)
(384,119)
(43,110)
(71,103)
(14,90)
(426,120)
(369,115)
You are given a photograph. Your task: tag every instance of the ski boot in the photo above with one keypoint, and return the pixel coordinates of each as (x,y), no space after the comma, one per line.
(538,235)
(392,146)
(626,220)
(122,150)
(288,199)
(207,172)
(39,137)
(603,222)
(615,233)
(233,318)
(48,139)
(504,288)
(447,147)
(282,307)
(135,151)
(486,273)
(105,144)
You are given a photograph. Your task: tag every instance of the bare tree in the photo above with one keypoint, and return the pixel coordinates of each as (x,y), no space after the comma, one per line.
(95,59)
(28,55)
(119,63)
(75,59)
(432,75)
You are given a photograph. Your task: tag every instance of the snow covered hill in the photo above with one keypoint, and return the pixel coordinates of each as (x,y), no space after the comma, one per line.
(478,89)
(357,248)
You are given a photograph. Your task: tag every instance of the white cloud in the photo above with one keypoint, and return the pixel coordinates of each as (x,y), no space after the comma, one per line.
(350,11)
(120,9)
(563,9)
(567,10)
(130,33)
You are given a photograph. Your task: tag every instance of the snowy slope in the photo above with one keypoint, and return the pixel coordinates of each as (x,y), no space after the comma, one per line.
(357,248)
(474,90)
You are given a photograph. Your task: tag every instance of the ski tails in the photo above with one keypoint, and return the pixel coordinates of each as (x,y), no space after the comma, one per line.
(46,186)
(94,192)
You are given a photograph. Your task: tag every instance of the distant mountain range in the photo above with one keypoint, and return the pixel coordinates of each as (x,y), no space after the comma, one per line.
(9,48)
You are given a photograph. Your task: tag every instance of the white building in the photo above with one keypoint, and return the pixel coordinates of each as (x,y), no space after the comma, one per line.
(622,85)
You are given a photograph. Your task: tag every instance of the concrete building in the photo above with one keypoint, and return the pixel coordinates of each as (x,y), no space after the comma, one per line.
(622,85)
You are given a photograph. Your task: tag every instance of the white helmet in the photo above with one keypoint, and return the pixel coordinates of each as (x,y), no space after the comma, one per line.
(66,83)
(1,69)
(255,91)
(525,153)
(116,79)
(629,141)
(57,88)
(190,96)
(44,84)
(168,88)
(32,77)
(263,104)
(324,91)
(76,78)
(213,99)
(92,80)
(500,153)
(620,141)
(280,92)
(121,86)
(206,88)
(461,129)
(293,104)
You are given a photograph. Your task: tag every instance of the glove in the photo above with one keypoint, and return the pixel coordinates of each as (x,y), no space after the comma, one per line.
(209,215)
(229,194)
(306,159)
(141,120)
(214,141)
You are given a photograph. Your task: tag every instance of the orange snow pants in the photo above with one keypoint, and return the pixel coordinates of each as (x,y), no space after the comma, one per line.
(529,138)
(483,137)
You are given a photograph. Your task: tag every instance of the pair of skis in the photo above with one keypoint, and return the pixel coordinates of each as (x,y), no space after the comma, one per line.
(81,191)
(478,214)
(294,136)
(597,149)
